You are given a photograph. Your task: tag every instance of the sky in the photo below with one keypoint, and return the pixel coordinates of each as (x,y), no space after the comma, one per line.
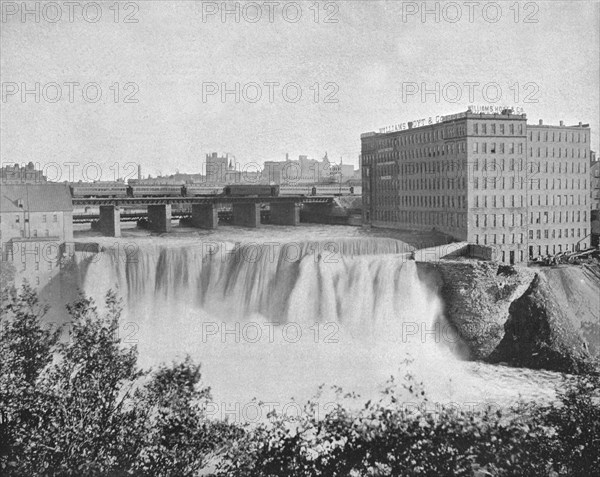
(306,84)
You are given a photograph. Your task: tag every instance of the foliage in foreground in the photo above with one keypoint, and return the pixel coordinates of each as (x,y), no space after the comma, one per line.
(82,407)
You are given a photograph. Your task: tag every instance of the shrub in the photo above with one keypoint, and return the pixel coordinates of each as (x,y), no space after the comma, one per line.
(82,406)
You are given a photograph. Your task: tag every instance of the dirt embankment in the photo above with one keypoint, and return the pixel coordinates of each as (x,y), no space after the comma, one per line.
(536,317)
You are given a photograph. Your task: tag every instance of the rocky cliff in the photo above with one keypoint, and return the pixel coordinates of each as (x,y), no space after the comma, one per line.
(541,318)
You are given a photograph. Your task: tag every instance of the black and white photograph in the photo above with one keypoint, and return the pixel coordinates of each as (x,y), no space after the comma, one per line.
(304,238)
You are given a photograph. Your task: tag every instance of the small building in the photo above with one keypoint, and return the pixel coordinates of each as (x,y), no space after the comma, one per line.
(36,229)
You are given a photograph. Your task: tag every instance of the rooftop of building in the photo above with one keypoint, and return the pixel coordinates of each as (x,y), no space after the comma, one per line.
(47,197)
(560,125)
(468,114)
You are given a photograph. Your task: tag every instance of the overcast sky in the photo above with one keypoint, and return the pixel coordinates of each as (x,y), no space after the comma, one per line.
(360,63)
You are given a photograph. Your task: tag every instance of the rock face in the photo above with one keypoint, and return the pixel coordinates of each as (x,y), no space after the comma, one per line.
(541,318)
(476,296)
(540,332)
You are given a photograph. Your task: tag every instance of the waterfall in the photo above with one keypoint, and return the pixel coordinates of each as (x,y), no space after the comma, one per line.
(241,308)
(347,281)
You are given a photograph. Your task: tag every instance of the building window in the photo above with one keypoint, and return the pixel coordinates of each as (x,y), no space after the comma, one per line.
(55,218)
(44,218)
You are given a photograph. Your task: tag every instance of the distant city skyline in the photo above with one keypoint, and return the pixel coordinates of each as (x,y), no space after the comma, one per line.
(176,59)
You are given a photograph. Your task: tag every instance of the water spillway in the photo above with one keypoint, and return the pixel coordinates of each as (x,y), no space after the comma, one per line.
(275,319)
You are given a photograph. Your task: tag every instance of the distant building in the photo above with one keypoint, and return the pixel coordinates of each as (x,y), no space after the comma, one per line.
(217,168)
(342,172)
(301,171)
(488,179)
(36,229)
(19,174)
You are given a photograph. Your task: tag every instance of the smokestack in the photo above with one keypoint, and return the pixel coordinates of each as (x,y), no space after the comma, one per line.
(541,122)
(562,123)
(139,172)
(579,123)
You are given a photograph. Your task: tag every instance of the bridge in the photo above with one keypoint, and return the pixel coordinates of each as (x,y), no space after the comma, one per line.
(246,211)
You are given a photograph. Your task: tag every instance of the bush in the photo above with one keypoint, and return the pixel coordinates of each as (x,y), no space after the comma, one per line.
(385,438)
(82,407)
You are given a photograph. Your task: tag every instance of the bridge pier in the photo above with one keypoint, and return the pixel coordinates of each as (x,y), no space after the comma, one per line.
(246,214)
(110,221)
(205,216)
(285,213)
(159,217)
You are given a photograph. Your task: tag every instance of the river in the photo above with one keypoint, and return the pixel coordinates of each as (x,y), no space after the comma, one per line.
(274,312)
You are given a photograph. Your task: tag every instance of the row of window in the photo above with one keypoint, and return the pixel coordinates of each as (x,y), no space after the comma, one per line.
(34,233)
(493,239)
(559,136)
(556,248)
(36,266)
(495,167)
(543,200)
(500,201)
(501,183)
(441,201)
(44,218)
(551,152)
(483,147)
(429,218)
(434,151)
(499,220)
(557,233)
(517,220)
(557,217)
(432,184)
(497,129)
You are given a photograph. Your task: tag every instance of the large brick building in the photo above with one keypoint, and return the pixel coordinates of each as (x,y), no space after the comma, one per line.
(488,179)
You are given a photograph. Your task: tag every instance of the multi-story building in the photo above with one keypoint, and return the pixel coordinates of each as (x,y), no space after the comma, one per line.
(217,167)
(470,176)
(559,185)
(36,229)
(594,181)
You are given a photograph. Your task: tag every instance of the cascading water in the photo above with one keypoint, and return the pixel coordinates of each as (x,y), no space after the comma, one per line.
(274,320)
